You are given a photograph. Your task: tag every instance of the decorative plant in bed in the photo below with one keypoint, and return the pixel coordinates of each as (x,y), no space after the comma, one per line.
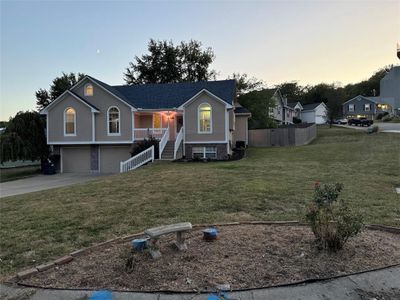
(243,256)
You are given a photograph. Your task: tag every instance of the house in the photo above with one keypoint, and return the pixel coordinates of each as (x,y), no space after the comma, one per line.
(370,107)
(281,113)
(314,113)
(360,106)
(297,108)
(93,125)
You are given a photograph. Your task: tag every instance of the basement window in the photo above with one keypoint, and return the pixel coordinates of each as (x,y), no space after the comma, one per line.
(204,152)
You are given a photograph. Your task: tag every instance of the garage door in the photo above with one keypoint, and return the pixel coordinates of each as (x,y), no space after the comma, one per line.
(75,159)
(111,156)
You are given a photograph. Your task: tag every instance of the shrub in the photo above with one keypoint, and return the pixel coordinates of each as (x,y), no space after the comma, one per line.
(296,120)
(387,118)
(140,146)
(381,115)
(331,220)
(374,129)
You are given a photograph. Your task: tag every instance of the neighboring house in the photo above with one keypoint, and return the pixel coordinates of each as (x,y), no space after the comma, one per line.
(281,113)
(92,125)
(297,108)
(314,113)
(370,107)
(360,106)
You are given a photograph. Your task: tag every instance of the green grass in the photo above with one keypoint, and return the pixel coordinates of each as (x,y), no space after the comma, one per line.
(269,184)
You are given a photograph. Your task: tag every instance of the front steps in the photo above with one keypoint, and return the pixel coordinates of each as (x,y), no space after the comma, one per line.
(168,153)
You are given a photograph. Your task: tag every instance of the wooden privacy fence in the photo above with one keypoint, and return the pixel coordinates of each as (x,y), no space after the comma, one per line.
(287,135)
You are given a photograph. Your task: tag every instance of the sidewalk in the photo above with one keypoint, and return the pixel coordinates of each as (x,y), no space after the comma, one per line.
(382,284)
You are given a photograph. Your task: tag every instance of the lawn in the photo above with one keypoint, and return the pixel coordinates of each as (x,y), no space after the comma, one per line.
(269,184)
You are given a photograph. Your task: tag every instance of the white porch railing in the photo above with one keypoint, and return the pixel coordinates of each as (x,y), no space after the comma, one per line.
(163,142)
(178,141)
(137,160)
(145,133)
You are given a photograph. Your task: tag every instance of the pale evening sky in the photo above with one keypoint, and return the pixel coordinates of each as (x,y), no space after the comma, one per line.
(307,41)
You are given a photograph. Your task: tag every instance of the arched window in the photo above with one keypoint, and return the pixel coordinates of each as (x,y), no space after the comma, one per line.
(88,89)
(205,118)
(69,121)
(113,120)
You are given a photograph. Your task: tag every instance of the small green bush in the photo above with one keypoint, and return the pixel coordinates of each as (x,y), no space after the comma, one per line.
(296,120)
(140,146)
(381,115)
(331,220)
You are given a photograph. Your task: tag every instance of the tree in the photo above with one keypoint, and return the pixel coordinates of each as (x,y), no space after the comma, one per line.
(58,86)
(292,91)
(24,138)
(259,103)
(245,84)
(167,63)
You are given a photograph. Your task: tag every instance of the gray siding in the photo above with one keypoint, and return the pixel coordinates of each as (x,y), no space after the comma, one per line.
(359,107)
(102,100)
(191,120)
(55,121)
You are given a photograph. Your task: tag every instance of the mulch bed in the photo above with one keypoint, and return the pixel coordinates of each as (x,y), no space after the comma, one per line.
(244,256)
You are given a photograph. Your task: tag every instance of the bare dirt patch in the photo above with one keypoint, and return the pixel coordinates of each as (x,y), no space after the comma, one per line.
(244,256)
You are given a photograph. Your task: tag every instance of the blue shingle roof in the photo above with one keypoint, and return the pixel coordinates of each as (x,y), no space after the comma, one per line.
(170,95)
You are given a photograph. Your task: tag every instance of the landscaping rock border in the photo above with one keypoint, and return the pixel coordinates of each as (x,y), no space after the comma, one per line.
(68,258)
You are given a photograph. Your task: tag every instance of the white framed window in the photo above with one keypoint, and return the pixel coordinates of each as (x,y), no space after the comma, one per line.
(88,89)
(351,107)
(204,152)
(69,122)
(113,121)
(205,118)
(367,107)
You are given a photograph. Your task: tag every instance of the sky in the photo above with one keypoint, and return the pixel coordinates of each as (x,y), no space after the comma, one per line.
(276,41)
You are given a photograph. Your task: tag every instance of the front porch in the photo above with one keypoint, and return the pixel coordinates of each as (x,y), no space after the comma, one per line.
(156,124)
(166,127)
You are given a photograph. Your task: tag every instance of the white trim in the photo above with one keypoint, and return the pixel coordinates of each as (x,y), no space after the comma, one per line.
(133,126)
(84,90)
(207,92)
(46,109)
(108,122)
(247,132)
(227,127)
(47,128)
(88,142)
(184,133)
(93,128)
(206,142)
(205,152)
(198,119)
(65,133)
(356,97)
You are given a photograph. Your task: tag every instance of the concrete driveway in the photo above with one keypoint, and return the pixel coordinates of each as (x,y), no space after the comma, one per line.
(383,127)
(44,182)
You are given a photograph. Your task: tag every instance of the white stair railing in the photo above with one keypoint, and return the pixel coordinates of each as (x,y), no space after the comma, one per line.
(137,160)
(163,142)
(178,142)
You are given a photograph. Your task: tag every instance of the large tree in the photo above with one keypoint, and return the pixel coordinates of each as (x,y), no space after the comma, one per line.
(166,63)
(259,103)
(24,138)
(58,86)
(246,84)
(293,91)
